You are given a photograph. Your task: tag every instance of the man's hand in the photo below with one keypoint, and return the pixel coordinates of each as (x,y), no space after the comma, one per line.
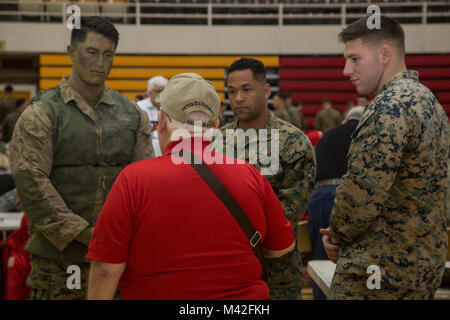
(331,249)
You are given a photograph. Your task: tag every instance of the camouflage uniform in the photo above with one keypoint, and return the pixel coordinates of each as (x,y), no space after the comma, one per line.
(296,120)
(448,197)
(327,119)
(356,289)
(65,156)
(390,205)
(293,183)
(283,114)
(302,121)
(9,124)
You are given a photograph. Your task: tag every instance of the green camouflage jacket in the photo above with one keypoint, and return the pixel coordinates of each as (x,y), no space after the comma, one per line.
(65,156)
(293,183)
(390,205)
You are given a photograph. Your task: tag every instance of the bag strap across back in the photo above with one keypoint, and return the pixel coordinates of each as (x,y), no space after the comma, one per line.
(233,207)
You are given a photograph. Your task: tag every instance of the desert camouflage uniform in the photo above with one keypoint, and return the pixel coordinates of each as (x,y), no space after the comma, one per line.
(448,197)
(293,183)
(296,118)
(356,289)
(390,205)
(327,119)
(65,156)
(283,114)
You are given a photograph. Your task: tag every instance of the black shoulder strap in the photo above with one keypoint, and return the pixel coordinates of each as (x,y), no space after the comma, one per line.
(233,207)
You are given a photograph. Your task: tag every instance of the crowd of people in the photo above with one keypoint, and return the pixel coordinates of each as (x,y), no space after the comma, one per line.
(149,203)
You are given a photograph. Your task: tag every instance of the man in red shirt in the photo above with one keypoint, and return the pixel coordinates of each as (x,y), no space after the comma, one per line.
(164,234)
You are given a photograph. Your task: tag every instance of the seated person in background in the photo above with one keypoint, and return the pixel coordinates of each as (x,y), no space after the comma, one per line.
(328,117)
(151,107)
(279,107)
(331,156)
(299,106)
(188,247)
(293,112)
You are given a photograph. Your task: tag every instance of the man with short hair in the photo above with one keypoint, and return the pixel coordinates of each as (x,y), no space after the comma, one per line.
(67,150)
(298,105)
(328,117)
(292,180)
(279,107)
(7,102)
(390,205)
(188,246)
(154,87)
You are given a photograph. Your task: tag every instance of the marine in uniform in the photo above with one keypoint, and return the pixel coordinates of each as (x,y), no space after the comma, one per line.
(67,150)
(390,205)
(293,182)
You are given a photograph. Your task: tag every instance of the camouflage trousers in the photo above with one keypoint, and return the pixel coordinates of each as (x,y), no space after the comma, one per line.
(285,294)
(350,286)
(287,276)
(48,280)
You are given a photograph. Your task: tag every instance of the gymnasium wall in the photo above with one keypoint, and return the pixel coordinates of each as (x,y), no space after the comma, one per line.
(214,40)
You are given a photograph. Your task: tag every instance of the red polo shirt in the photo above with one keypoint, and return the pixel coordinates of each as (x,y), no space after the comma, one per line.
(178,239)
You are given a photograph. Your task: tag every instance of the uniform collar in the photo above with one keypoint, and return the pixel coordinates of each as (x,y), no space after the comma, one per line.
(408,74)
(68,93)
(267,125)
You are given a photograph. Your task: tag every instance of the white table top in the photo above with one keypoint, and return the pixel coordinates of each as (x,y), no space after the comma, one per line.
(322,271)
(10,220)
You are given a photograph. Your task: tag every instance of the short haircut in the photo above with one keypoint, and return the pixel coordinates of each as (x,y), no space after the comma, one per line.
(256,66)
(20,102)
(326,100)
(281,94)
(390,31)
(156,81)
(95,24)
(8,88)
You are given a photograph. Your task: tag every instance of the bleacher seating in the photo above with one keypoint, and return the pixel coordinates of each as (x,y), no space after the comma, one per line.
(129,74)
(310,79)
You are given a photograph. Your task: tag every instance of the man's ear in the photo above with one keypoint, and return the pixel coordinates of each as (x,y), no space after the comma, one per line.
(386,53)
(267,91)
(70,51)
(162,122)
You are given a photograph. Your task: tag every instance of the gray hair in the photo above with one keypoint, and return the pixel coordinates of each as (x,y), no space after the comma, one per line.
(354,113)
(156,81)
(200,116)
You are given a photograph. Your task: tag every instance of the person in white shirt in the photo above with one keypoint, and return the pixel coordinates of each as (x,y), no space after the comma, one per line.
(154,87)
